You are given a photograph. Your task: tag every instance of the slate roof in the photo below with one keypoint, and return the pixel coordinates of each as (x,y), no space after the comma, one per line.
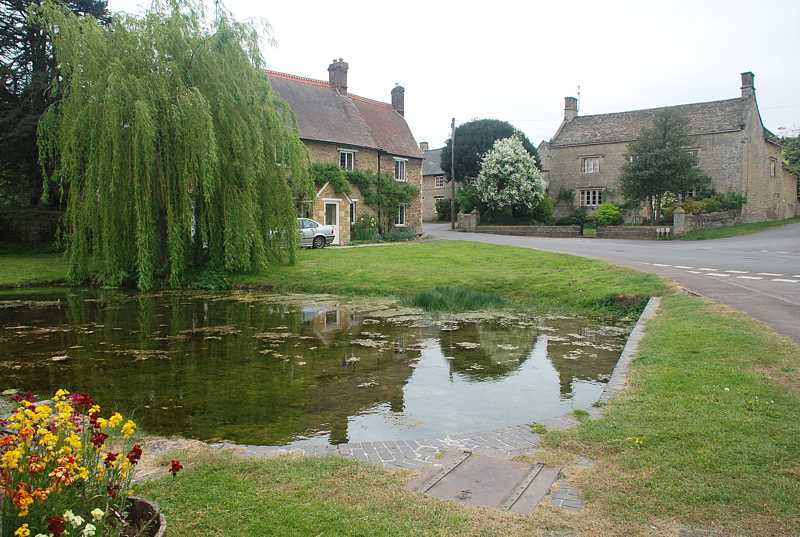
(323,114)
(432,163)
(703,118)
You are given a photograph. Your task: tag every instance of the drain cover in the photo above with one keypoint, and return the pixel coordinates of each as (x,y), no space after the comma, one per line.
(490,482)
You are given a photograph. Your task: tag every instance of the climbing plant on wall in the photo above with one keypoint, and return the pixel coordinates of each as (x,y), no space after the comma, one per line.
(173,152)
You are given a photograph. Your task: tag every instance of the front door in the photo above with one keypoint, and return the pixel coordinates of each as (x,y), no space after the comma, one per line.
(332,218)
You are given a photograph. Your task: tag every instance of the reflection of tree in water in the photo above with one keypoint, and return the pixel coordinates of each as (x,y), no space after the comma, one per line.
(500,351)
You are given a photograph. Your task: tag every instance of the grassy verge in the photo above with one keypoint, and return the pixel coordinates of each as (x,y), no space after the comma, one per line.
(517,275)
(290,497)
(707,434)
(734,231)
(22,265)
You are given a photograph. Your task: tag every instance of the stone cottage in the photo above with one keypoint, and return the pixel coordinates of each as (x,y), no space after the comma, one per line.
(356,133)
(435,184)
(583,160)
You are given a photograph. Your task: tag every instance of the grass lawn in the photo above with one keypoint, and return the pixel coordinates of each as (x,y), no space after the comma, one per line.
(518,275)
(733,231)
(30,265)
(713,401)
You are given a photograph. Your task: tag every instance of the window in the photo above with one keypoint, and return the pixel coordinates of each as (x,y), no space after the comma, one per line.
(590,165)
(591,198)
(773,165)
(438,181)
(400,169)
(353,211)
(695,153)
(682,196)
(400,219)
(347,159)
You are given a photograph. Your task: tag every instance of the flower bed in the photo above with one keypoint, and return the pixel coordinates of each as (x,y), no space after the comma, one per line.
(66,470)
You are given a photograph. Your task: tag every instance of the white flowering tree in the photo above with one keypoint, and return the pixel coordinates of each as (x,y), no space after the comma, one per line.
(509,179)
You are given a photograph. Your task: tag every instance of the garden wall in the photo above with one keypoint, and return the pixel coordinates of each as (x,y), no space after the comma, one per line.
(532,231)
(30,225)
(634,232)
(685,222)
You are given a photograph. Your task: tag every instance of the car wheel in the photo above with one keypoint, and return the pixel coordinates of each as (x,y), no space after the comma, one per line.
(319,242)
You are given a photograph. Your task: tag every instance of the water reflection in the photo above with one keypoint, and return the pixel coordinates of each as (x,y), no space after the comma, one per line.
(262,369)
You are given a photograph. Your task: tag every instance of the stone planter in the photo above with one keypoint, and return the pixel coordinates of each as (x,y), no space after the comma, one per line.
(146,514)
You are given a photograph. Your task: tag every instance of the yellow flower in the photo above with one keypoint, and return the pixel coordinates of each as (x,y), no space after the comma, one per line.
(128,429)
(102,423)
(60,395)
(115,419)
(94,410)
(74,441)
(10,459)
(22,531)
(83,473)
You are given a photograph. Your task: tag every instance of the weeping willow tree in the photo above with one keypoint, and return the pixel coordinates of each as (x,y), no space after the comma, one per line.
(171,149)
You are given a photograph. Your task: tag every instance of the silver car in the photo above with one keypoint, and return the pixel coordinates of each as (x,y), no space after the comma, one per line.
(315,235)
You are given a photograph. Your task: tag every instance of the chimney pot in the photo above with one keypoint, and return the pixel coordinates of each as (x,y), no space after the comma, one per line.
(398,99)
(748,84)
(423,146)
(570,108)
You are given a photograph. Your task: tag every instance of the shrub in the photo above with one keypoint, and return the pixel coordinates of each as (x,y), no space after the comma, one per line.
(714,203)
(333,174)
(365,228)
(609,214)
(544,212)
(399,234)
(453,299)
(443,209)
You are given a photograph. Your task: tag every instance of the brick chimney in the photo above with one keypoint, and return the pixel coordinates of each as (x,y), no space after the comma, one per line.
(399,99)
(423,146)
(337,75)
(748,84)
(570,108)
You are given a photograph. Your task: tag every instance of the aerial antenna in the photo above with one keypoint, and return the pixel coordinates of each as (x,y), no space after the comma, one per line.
(579,97)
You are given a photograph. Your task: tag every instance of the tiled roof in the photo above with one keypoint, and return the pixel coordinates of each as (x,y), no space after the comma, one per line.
(702,118)
(432,163)
(325,115)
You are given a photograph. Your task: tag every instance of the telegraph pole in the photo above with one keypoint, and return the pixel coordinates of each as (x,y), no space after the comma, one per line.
(453,173)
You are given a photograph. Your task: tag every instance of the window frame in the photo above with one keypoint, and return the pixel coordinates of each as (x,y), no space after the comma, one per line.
(590,197)
(595,168)
(773,167)
(344,153)
(401,211)
(436,180)
(400,164)
(353,211)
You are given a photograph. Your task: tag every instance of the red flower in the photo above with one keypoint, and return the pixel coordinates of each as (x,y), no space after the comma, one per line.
(56,525)
(175,467)
(135,454)
(112,491)
(98,439)
(81,401)
(110,459)
(27,396)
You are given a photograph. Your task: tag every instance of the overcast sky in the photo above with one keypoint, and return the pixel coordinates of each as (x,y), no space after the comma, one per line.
(517,61)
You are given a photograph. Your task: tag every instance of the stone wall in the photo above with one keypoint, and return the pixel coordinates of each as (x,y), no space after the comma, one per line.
(531,231)
(634,232)
(30,225)
(684,222)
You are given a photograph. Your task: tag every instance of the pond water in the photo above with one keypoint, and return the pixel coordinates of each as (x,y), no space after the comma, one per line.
(257,368)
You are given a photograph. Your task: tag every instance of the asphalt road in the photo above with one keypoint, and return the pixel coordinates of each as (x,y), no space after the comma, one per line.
(758,274)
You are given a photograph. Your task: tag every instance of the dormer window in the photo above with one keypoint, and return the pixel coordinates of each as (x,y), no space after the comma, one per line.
(400,169)
(347,159)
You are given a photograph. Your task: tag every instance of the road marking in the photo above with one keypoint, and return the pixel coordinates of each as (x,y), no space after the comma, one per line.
(683,267)
(796,276)
(717,274)
(661,265)
(781,252)
(695,272)
(784,280)
(750,277)
(738,271)
(709,269)
(769,274)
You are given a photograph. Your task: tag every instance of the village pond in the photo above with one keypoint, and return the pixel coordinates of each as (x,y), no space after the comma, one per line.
(264,369)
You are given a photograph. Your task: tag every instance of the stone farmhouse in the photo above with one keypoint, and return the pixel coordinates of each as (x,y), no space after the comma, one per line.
(356,133)
(435,184)
(583,160)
